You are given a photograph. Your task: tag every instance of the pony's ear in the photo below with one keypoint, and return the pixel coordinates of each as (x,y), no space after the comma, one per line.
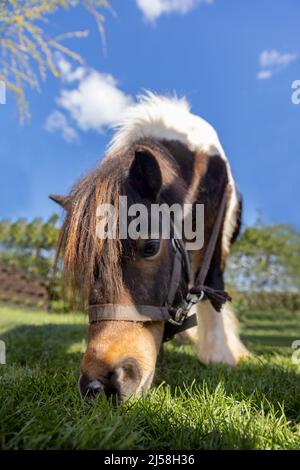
(63,201)
(145,175)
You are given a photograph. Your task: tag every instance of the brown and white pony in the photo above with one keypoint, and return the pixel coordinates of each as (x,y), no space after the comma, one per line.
(160,153)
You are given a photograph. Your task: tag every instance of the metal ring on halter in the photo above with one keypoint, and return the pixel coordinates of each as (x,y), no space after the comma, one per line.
(179,313)
(182,312)
(199,297)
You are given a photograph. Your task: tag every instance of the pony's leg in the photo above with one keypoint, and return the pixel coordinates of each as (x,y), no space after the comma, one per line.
(218,338)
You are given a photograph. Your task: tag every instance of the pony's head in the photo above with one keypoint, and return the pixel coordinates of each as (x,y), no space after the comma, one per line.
(121,355)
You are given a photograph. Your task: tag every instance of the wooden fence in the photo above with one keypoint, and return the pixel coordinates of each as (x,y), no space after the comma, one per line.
(22,287)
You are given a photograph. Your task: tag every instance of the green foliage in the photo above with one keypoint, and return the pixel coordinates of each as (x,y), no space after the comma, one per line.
(29,245)
(27,51)
(274,301)
(255,405)
(266,258)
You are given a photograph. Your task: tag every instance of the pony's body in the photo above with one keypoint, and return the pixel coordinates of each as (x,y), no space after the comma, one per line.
(161,153)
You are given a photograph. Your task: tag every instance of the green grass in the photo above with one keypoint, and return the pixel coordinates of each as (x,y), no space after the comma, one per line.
(253,406)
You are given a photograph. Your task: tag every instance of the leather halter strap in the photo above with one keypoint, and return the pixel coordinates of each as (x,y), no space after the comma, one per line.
(217,297)
(121,312)
(176,320)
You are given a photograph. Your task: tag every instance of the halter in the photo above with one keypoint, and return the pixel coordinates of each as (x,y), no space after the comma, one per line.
(176,319)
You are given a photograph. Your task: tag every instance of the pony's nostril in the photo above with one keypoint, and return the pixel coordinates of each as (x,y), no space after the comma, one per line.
(127,377)
(90,388)
(94,389)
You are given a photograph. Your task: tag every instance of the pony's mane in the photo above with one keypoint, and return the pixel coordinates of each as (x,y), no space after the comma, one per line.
(165,118)
(87,257)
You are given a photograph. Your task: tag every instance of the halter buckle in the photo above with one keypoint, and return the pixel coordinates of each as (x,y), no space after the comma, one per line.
(179,316)
(182,312)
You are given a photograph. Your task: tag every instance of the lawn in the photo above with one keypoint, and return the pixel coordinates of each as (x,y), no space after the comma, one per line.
(253,406)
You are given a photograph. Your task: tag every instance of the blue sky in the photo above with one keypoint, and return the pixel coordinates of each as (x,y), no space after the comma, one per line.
(234,60)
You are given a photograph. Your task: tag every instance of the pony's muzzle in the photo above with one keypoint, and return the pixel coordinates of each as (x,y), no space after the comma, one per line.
(117,384)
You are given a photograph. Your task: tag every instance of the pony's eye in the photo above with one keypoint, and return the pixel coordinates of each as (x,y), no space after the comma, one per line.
(150,248)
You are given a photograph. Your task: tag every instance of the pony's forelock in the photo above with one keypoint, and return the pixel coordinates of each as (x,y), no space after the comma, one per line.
(86,257)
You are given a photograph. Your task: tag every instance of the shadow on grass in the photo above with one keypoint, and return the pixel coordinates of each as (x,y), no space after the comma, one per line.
(32,345)
(269,340)
(272,327)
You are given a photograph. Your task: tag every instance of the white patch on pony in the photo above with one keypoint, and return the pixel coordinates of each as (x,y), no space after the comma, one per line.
(218,338)
(170,118)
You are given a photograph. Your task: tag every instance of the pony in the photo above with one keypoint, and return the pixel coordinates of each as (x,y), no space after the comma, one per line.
(160,153)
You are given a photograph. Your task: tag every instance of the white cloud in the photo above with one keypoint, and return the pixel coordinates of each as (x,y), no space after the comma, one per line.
(273,61)
(67,74)
(273,58)
(91,100)
(96,103)
(153,9)
(264,74)
(57,122)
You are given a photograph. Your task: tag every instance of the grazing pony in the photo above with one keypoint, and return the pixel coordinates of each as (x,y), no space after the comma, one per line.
(160,153)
